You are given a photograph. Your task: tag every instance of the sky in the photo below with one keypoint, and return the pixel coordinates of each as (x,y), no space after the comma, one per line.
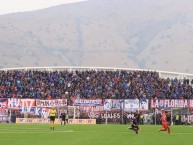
(13,6)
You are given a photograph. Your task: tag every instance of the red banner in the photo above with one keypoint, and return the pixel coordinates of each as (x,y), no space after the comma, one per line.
(3,104)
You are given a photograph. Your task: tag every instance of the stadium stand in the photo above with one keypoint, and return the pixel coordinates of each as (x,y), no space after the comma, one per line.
(74,83)
(92,84)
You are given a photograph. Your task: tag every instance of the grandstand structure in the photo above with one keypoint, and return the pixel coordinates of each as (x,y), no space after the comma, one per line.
(98,107)
(162,74)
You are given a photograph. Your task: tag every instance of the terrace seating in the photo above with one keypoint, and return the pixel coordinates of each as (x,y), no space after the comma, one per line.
(92,84)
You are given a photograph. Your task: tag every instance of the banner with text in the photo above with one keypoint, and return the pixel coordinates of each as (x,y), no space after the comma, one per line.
(27,106)
(51,103)
(91,108)
(57,121)
(169,103)
(87,102)
(14,103)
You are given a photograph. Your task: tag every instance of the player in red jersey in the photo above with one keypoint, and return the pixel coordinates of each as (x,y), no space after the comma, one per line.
(165,124)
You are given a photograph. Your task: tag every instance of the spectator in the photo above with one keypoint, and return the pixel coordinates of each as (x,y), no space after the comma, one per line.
(92,84)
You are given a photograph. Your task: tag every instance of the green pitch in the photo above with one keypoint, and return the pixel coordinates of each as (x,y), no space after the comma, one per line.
(20,134)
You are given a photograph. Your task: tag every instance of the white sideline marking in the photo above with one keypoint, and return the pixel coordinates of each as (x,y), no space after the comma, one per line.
(64,131)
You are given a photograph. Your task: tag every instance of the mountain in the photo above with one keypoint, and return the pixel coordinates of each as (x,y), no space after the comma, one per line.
(145,34)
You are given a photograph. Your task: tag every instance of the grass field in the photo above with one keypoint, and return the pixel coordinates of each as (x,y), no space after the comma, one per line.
(20,134)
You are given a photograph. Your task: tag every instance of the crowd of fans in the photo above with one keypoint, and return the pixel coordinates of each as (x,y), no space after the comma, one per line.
(92,84)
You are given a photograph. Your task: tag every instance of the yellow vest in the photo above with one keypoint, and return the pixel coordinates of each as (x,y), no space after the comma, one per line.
(177,117)
(53,112)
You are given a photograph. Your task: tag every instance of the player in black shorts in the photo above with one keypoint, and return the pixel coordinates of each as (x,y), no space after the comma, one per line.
(63,118)
(168,117)
(135,125)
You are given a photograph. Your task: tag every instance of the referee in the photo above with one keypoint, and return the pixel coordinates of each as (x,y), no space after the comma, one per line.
(52,117)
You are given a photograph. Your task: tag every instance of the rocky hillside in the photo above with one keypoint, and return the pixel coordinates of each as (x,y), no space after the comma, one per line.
(116,33)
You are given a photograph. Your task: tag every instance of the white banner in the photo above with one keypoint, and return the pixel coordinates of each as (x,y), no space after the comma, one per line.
(107,104)
(27,105)
(14,103)
(143,104)
(87,102)
(43,112)
(51,103)
(113,104)
(131,104)
(172,103)
(25,109)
